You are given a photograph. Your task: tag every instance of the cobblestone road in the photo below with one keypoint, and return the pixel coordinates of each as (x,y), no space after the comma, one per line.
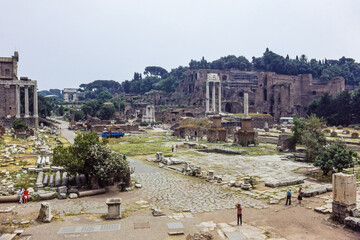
(171,190)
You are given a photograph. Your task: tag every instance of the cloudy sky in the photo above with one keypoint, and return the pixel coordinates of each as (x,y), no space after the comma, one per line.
(63,43)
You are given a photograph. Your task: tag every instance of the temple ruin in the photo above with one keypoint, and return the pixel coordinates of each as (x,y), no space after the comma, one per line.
(15,94)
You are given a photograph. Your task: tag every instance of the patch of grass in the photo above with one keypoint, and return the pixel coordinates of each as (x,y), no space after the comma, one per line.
(259,150)
(141,148)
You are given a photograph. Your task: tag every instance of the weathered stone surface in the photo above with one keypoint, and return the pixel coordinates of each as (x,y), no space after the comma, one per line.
(39,180)
(73,195)
(45,215)
(46,196)
(315,191)
(57,179)
(353,223)
(13,198)
(113,208)
(92,192)
(156,212)
(284,183)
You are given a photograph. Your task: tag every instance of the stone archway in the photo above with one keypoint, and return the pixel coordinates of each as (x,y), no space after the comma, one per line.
(229,107)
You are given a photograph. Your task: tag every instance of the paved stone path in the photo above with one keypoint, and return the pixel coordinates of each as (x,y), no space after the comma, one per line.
(230,167)
(180,193)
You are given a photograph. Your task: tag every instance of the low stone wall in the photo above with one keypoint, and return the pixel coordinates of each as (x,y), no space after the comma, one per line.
(8,122)
(284,183)
(267,139)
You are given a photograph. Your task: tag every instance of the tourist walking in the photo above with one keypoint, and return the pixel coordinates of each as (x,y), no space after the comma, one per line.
(177,147)
(26,196)
(21,194)
(288,197)
(239,213)
(300,193)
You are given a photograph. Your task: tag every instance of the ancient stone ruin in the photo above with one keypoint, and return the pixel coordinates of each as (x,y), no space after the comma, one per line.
(10,88)
(344,196)
(246,135)
(216,132)
(149,115)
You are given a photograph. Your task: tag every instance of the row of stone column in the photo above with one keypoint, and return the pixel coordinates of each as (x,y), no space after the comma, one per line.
(35,102)
(213,97)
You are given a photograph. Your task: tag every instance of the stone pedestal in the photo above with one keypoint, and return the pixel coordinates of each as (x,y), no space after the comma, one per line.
(344,196)
(333,134)
(203,174)
(211,175)
(113,208)
(159,156)
(45,215)
(246,185)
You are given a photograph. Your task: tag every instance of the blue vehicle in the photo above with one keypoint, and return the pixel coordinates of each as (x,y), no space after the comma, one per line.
(113,134)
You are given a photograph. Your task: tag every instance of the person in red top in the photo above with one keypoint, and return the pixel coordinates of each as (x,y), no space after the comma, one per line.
(239,213)
(26,195)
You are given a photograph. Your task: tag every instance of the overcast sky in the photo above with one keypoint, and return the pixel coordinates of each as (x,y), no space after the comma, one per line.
(63,43)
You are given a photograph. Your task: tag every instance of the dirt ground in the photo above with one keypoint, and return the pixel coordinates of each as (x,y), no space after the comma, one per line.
(291,222)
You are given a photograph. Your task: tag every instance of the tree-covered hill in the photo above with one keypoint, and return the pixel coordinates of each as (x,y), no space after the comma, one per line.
(158,78)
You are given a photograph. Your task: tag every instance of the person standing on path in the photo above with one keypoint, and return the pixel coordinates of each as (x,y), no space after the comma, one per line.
(239,213)
(26,196)
(21,194)
(300,195)
(288,197)
(172,148)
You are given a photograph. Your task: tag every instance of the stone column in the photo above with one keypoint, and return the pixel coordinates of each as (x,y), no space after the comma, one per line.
(17,101)
(246,104)
(26,101)
(213,98)
(36,113)
(207,97)
(219,94)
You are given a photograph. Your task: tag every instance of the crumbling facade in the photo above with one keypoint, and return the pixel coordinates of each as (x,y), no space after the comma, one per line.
(269,93)
(13,90)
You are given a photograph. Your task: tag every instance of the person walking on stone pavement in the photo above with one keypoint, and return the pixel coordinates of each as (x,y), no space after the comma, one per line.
(172,148)
(288,197)
(300,193)
(21,194)
(239,213)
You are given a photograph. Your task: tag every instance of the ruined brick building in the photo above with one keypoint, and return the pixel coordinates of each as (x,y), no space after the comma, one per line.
(269,93)
(15,94)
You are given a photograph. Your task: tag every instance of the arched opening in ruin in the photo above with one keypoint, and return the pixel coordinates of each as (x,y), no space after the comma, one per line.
(71,97)
(229,108)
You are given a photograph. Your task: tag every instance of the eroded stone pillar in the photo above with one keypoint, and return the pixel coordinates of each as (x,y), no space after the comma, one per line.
(219,95)
(246,104)
(17,101)
(344,196)
(207,97)
(36,113)
(26,101)
(213,97)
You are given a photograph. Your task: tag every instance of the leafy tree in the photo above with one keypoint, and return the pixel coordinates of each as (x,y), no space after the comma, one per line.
(336,156)
(90,156)
(60,111)
(91,107)
(308,132)
(45,106)
(107,112)
(156,71)
(297,130)
(79,115)
(19,124)
(104,96)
